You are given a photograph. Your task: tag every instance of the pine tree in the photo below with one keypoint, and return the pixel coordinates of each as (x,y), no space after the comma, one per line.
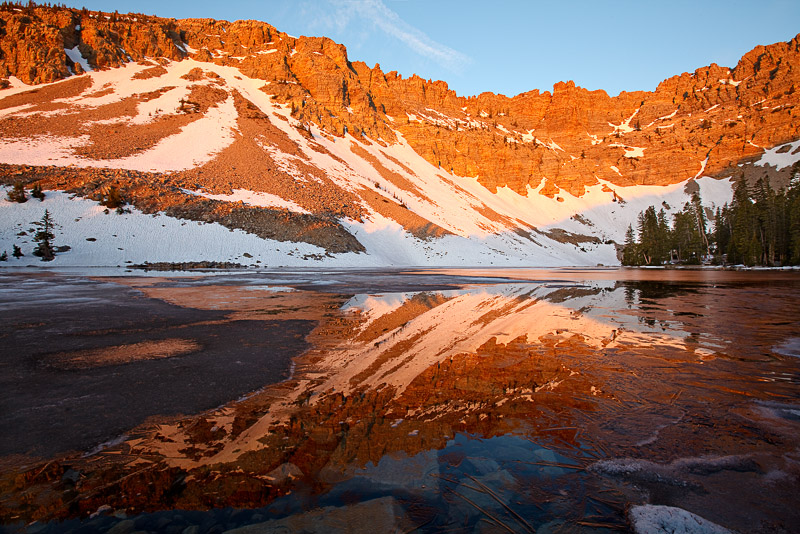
(793,219)
(17,193)
(630,252)
(764,221)
(37,192)
(113,199)
(654,237)
(17,252)
(699,213)
(665,238)
(745,246)
(722,233)
(44,237)
(687,235)
(781,247)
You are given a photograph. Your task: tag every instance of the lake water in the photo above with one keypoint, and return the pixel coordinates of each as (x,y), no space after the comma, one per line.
(442,401)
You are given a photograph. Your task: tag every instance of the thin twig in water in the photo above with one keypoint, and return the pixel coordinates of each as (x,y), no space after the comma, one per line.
(537,443)
(560,465)
(600,525)
(507,507)
(612,504)
(429,521)
(40,471)
(602,449)
(497,521)
(446,479)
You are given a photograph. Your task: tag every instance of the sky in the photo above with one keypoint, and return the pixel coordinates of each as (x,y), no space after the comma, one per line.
(510,47)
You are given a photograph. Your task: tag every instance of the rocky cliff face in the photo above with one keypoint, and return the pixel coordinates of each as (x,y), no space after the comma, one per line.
(570,138)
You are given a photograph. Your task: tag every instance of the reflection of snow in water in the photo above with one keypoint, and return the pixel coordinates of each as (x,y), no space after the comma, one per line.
(378,304)
(106,445)
(464,320)
(790,347)
(777,410)
(271,289)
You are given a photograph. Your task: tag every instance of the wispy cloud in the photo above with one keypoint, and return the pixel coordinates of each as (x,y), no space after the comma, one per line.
(381,18)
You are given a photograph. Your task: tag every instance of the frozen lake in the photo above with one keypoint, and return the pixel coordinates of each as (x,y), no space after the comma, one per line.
(438,400)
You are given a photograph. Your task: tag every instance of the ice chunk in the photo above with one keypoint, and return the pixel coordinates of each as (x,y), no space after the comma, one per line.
(655,519)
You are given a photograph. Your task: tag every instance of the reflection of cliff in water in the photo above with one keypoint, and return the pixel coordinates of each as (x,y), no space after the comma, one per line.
(447,356)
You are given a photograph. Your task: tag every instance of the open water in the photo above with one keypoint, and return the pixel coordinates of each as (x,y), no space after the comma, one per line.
(433,401)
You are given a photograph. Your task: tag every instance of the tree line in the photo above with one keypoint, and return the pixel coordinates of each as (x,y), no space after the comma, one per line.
(760,226)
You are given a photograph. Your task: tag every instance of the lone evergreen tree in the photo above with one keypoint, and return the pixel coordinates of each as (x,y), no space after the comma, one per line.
(44,237)
(37,192)
(17,194)
(653,237)
(113,199)
(630,250)
(17,252)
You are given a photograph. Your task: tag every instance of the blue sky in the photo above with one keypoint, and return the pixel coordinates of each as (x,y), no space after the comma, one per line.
(514,46)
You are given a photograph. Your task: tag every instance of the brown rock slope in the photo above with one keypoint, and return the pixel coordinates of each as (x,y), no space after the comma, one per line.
(569,138)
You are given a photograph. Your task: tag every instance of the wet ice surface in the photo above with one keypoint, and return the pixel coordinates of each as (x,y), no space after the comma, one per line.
(72,376)
(544,401)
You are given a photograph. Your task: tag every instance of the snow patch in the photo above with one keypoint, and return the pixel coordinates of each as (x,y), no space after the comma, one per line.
(657,519)
(252,198)
(530,138)
(630,151)
(75,56)
(702,168)
(665,117)
(729,81)
(191,147)
(780,161)
(625,126)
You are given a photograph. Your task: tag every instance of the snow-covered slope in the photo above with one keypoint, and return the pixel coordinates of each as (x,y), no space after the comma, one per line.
(97,237)
(409,212)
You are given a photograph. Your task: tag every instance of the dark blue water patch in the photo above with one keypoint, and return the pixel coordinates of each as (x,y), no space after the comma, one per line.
(507,481)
